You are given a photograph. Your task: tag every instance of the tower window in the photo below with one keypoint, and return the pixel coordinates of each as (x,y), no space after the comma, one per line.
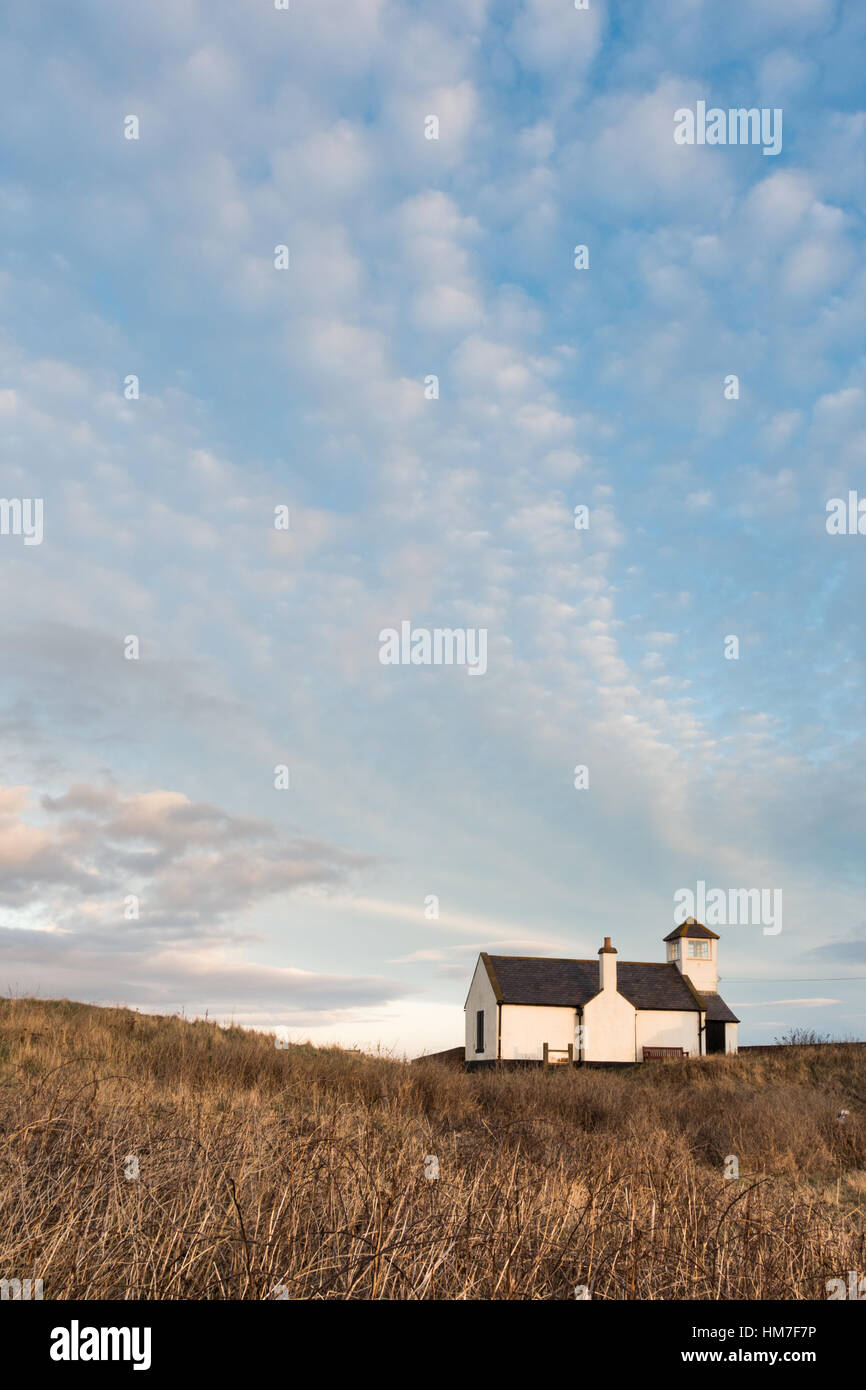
(479,1031)
(699,950)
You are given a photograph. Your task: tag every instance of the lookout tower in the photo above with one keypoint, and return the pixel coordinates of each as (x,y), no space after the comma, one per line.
(693,949)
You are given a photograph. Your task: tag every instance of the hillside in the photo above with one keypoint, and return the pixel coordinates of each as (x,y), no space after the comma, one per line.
(304,1169)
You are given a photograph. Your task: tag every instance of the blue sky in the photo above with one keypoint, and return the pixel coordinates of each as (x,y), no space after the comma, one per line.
(305,388)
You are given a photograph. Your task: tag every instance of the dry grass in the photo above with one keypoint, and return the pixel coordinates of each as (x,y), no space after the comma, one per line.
(305,1168)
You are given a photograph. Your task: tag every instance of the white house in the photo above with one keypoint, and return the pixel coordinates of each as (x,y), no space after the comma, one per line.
(535,1009)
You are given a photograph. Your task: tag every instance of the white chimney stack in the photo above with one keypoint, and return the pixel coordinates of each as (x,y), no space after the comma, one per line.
(607,966)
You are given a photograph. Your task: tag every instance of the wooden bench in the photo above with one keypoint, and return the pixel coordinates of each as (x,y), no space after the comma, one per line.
(653,1054)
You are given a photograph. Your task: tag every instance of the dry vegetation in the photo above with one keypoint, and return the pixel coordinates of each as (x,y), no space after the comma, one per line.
(305,1168)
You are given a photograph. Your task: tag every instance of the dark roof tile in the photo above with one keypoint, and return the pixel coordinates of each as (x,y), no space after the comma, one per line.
(544,980)
(571,983)
(717,1009)
(692,928)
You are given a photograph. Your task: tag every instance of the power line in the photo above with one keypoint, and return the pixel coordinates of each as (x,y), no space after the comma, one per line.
(789,979)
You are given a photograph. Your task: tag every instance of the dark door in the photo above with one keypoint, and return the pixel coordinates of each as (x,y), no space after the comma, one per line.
(715,1037)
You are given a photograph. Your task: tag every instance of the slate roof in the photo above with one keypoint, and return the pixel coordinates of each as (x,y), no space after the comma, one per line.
(554,982)
(692,928)
(654,986)
(717,1010)
(543,980)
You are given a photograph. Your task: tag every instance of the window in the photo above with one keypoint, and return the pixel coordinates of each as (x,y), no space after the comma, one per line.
(479,1031)
(699,950)
(675,951)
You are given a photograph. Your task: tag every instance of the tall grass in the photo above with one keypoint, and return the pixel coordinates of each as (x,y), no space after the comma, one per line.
(302,1170)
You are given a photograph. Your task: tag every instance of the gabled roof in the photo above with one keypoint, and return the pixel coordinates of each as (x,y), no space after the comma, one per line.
(692,928)
(717,1010)
(652,986)
(544,980)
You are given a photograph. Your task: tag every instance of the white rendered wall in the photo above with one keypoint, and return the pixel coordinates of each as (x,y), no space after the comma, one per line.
(704,974)
(731,1037)
(481,996)
(526,1028)
(608,1028)
(667,1028)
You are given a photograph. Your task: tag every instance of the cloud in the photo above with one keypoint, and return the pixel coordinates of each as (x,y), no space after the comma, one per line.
(193,872)
(841,952)
(189,859)
(813,1003)
(304,388)
(549,37)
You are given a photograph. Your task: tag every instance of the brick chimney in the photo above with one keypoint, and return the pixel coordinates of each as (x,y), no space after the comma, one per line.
(607,966)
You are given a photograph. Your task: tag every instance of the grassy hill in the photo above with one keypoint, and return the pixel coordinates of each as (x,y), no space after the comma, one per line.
(304,1169)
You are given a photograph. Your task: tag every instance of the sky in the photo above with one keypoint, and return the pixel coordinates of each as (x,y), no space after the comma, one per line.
(216,797)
